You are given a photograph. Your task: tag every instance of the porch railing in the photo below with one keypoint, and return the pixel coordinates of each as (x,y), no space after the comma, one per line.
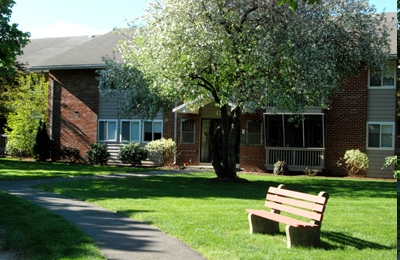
(297,159)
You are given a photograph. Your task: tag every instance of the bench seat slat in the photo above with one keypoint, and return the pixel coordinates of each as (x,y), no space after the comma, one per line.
(296,203)
(281,218)
(298,195)
(300,212)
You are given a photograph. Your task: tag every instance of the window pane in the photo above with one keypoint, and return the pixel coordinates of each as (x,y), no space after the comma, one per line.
(313,131)
(388,74)
(112,130)
(125,131)
(293,133)
(188,131)
(134,131)
(373,135)
(375,79)
(148,127)
(254,132)
(102,131)
(274,130)
(387,136)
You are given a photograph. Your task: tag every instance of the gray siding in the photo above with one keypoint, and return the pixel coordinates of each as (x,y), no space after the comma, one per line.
(381,105)
(376,160)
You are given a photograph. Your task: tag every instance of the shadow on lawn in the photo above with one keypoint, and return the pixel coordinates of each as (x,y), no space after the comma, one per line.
(339,240)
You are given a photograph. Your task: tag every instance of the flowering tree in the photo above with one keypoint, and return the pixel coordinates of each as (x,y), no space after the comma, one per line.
(247,53)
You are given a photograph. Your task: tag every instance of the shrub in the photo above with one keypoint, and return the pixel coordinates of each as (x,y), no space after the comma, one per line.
(310,172)
(42,146)
(70,154)
(132,154)
(354,162)
(165,147)
(391,161)
(97,154)
(280,168)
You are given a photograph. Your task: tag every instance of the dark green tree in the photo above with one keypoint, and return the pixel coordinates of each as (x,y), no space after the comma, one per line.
(12,41)
(42,147)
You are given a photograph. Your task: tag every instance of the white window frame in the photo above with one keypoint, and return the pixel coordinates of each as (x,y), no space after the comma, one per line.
(107,130)
(390,62)
(152,130)
(130,137)
(248,132)
(188,132)
(380,135)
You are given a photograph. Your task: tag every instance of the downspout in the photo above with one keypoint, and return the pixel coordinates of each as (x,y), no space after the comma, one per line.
(51,112)
(175,134)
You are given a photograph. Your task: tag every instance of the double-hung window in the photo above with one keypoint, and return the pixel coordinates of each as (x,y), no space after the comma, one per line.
(188,131)
(254,133)
(380,135)
(385,78)
(152,130)
(130,131)
(107,130)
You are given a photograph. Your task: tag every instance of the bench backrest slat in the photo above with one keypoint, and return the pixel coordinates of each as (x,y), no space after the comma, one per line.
(297,203)
(297,211)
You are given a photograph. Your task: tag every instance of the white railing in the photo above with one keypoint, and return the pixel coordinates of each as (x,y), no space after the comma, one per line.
(297,159)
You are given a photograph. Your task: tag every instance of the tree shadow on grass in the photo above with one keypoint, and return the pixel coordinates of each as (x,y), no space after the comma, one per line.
(338,240)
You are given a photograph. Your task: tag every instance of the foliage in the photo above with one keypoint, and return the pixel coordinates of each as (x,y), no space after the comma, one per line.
(354,162)
(97,155)
(12,42)
(249,52)
(164,147)
(281,168)
(391,161)
(310,172)
(42,146)
(28,104)
(132,154)
(70,153)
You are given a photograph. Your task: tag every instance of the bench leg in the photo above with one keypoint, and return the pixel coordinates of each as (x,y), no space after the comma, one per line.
(302,236)
(262,225)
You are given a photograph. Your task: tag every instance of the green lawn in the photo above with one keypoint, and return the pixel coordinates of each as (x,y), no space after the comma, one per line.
(360,220)
(13,169)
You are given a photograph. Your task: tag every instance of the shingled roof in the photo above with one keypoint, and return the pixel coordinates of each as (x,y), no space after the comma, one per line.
(70,52)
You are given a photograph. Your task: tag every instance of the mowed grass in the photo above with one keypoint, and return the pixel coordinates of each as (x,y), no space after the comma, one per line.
(360,220)
(14,170)
(31,232)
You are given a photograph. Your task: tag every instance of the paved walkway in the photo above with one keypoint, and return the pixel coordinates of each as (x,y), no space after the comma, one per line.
(117,237)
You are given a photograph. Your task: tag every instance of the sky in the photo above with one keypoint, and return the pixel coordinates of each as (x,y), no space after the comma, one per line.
(59,18)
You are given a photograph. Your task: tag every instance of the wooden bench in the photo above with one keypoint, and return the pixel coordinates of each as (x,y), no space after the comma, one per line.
(302,206)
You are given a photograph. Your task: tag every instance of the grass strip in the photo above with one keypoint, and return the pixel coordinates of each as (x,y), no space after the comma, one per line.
(35,233)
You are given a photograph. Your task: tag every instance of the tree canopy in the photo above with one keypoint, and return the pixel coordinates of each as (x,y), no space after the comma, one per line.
(250,53)
(12,40)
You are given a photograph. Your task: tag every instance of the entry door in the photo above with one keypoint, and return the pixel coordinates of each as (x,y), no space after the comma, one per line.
(208,127)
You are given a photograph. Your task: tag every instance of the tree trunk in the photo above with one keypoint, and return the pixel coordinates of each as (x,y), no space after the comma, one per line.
(227,132)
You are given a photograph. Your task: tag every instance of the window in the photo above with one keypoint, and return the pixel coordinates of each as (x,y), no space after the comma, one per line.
(188,131)
(254,130)
(107,130)
(380,135)
(152,130)
(384,79)
(286,131)
(130,131)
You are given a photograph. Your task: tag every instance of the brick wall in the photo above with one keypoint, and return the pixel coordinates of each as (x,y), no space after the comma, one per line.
(75,109)
(252,157)
(346,122)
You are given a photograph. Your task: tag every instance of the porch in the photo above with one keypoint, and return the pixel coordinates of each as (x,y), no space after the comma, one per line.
(297,159)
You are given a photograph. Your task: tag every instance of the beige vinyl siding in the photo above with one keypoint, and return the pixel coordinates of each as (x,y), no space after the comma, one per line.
(381,105)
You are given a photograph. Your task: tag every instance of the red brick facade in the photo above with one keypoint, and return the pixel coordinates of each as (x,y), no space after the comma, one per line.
(346,122)
(73,109)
